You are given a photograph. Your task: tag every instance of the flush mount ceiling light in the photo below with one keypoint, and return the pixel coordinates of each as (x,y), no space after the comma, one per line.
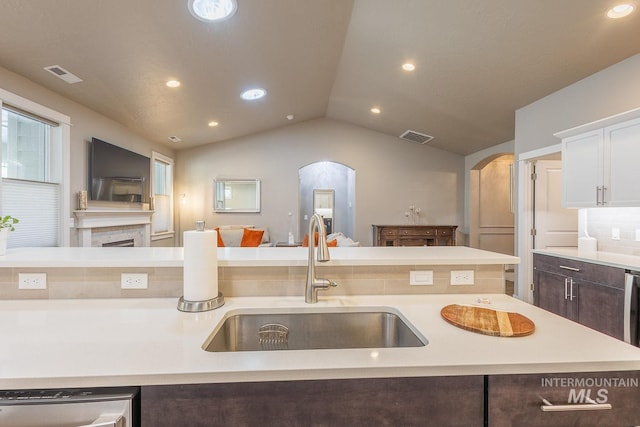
(376,110)
(620,10)
(173,83)
(212,10)
(253,94)
(213,124)
(408,66)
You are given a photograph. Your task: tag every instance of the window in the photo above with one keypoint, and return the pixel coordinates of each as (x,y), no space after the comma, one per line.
(35,150)
(162,192)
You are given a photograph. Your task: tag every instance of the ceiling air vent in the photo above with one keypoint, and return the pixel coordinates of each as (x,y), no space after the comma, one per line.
(174,139)
(413,136)
(65,75)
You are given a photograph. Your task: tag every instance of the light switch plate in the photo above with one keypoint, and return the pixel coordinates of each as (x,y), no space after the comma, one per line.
(421,278)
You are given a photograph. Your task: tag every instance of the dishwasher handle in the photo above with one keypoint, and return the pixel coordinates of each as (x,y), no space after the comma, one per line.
(107,421)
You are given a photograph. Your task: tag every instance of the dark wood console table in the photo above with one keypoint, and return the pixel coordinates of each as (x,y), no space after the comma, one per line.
(414,235)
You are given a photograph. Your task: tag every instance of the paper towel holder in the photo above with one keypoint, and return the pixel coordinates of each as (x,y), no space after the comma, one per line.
(198,306)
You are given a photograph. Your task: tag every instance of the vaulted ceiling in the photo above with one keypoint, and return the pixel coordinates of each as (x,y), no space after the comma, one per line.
(476,62)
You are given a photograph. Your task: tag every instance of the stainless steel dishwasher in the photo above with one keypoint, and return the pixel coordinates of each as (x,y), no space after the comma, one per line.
(110,407)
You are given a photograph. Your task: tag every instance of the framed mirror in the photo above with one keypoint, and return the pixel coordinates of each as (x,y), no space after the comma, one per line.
(236,195)
(323,204)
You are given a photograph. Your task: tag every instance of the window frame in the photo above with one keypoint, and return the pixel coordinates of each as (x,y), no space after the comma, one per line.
(59,156)
(161,158)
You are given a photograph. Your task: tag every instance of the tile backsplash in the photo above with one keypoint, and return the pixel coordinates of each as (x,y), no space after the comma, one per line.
(601,222)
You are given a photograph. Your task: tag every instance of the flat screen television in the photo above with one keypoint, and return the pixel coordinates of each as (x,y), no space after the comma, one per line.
(117,174)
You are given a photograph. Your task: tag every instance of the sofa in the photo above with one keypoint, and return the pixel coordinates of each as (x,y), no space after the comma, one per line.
(242,235)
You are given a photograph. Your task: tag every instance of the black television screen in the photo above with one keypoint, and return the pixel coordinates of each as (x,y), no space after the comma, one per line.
(117,174)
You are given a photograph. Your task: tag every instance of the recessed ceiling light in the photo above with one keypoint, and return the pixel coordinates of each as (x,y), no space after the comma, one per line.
(408,66)
(212,10)
(213,124)
(253,94)
(620,10)
(290,116)
(173,83)
(376,110)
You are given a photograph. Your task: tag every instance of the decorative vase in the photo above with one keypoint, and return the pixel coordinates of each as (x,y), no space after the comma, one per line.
(4,236)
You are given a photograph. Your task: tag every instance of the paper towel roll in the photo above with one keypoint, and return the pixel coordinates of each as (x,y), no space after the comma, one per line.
(587,244)
(200,265)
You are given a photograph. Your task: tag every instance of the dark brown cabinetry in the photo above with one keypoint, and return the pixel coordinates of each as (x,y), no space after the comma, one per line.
(516,400)
(414,235)
(438,401)
(588,293)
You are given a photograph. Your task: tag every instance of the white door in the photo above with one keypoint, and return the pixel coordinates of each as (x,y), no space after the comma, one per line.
(555,226)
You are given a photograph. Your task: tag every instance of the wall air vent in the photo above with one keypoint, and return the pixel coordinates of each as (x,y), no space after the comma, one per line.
(65,75)
(413,136)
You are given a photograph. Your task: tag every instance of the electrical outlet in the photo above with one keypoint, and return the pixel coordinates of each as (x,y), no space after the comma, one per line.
(32,280)
(133,281)
(615,234)
(462,277)
(419,278)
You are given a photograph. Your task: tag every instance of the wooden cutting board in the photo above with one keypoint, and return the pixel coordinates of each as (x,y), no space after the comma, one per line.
(487,321)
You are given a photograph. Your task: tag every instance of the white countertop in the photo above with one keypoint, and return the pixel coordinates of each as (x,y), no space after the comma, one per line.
(249,257)
(629,262)
(110,342)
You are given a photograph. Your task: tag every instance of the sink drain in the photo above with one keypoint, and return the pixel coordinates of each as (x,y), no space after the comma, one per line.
(273,336)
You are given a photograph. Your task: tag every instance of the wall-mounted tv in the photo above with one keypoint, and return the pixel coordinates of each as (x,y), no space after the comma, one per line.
(117,174)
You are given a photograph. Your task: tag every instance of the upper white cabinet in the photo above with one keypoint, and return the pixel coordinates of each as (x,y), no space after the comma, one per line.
(600,163)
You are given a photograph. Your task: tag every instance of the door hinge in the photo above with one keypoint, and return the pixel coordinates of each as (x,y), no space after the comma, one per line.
(534,176)
(534,232)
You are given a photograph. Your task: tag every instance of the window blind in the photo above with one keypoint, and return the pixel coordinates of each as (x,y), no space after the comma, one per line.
(37,206)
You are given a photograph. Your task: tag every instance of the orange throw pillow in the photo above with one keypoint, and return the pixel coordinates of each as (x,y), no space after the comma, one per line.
(251,238)
(220,241)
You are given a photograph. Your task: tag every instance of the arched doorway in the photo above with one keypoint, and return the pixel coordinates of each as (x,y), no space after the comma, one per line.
(321,183)
(491,204)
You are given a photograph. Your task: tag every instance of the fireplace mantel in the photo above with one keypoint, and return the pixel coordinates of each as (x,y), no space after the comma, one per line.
(86,221)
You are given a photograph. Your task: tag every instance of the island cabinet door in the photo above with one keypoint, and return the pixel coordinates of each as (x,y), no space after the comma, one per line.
(566,399)
(429,401)
(600,307)
(551,292)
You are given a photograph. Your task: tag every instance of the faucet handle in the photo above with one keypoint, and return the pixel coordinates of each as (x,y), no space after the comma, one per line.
(333,284)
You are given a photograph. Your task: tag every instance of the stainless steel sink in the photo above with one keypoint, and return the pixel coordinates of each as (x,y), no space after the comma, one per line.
(309,329)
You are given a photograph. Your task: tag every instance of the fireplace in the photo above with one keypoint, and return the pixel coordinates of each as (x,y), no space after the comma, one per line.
(127,243)
(113,227)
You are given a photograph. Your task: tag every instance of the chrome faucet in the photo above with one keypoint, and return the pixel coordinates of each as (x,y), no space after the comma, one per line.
(313,283)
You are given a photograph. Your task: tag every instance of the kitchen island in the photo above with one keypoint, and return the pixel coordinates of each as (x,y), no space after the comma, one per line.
(111,342)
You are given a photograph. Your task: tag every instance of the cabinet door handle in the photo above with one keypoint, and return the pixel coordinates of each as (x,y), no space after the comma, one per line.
(570,289)
(566,292)
(578,407)
(604,189)
(564,267)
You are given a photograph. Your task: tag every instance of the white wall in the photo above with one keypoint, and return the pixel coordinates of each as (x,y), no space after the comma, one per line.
(391,174)
(611,91)
(85,123)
